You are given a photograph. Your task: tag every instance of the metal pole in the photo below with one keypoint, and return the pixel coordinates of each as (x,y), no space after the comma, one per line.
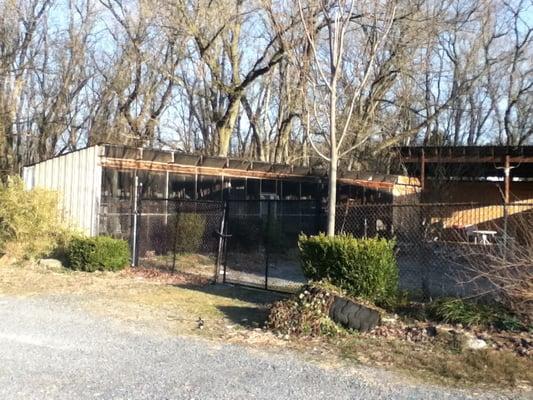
(166,198)
(176,227)
(507,195)
(134,231)
(267,245)
(423,171)
(225,247)
(507,170)
(220,244)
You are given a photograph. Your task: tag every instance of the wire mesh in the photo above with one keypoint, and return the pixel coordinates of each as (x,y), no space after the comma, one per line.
(435,242)
(255,242)
(178,234)
(262,246)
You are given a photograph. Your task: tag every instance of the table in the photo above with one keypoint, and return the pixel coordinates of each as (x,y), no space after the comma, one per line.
(484,234)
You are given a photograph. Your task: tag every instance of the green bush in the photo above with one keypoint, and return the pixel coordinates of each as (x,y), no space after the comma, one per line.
(471,313)
(99,253)
(30,223)
(190,230)
(365,268)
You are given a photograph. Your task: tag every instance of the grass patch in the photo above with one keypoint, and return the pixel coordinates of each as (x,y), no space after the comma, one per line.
(440,364)
(230,312)
(470,313)
(173,307)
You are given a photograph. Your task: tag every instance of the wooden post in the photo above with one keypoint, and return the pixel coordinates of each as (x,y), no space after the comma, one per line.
(507,195)
(507,171)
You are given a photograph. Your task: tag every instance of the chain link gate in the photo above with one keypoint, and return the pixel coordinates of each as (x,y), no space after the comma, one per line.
(261,242)
(179,235)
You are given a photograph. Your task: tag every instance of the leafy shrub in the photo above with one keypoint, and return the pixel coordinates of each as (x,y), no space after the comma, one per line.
(190,230)
(470,313)
(99,253)
(30,223)
(365,268)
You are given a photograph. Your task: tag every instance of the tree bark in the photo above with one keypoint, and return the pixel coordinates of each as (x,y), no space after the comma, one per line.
(332,184)
(227,124)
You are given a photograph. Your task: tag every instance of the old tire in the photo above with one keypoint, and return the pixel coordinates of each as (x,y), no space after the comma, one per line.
(352,315)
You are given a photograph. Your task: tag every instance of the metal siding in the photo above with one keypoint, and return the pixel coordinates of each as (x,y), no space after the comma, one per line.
(97,185)
(86,190)
(77,178)
(62,184)
(75,168)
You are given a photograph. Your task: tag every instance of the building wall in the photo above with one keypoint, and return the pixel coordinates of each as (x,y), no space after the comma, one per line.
(481,202)
(77,178)
(475,192)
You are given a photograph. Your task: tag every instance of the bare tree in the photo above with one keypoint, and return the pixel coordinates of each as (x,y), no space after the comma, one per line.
(340,20)
(217,31)
(505,270)
(263,79)
(19,24)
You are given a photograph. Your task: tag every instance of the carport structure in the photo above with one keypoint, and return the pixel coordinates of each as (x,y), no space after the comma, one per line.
(512,165)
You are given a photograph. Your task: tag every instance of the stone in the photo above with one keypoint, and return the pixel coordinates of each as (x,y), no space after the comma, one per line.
(475,343)
(51,264)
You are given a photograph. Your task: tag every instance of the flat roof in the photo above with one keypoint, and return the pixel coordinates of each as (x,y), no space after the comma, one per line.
(126,157)
(467,161)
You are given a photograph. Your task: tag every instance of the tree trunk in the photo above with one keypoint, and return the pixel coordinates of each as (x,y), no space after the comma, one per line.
(332,185)
(227,124)
(282,147)
(332,194)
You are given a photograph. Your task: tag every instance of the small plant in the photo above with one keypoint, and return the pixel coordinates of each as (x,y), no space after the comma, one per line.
(190,229)
(99,253)
(470,313)
(364,268)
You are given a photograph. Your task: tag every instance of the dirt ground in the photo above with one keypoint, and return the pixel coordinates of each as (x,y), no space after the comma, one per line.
(185,303)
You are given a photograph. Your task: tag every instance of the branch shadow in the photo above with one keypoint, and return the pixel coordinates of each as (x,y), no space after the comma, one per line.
(248,316)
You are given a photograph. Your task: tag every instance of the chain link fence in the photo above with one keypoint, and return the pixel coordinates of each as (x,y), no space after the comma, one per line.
(435,243)
(254,242)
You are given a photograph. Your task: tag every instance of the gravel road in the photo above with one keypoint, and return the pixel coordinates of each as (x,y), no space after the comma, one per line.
(52,349)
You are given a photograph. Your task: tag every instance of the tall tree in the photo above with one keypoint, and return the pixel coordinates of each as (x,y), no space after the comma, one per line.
(341,20)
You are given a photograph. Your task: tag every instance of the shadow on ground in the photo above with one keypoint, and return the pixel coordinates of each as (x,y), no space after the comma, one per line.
(248,317)
(252,316)
(250,295)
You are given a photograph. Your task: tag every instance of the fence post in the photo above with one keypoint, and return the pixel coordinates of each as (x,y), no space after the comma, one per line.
(505,228)
(267,243)
(134,235)
(176,226)
(221,241)
(225,241)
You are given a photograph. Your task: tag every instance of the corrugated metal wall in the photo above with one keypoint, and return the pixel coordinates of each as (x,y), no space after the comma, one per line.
(77,177)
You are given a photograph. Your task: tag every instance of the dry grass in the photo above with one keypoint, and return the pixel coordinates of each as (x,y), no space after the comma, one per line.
(443,364)
(171,302)
(173,305)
